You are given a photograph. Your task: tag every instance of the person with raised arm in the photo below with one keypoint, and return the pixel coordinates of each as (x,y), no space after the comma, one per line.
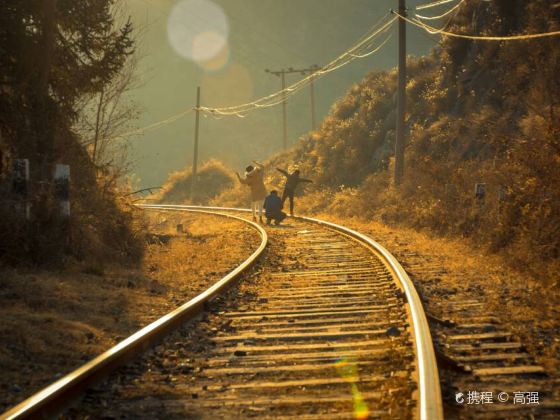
(254,179)
(292,181)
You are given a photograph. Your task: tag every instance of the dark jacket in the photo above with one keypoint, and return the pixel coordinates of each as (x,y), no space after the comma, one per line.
(292,180)
(272,205)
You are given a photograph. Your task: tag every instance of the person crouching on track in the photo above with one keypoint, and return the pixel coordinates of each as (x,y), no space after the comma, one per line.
(292,181)
(254,179)
(273,208)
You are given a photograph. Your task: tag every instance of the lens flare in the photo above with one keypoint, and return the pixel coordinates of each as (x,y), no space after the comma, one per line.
(218,62)
(348,369)
(198,30)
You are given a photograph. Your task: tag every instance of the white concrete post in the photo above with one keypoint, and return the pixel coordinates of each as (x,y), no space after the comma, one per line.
(62,188)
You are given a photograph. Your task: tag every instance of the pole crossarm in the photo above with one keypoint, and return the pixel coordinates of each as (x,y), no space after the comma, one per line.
(304,72)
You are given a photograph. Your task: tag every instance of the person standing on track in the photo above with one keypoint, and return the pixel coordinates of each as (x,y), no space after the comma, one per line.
(292,181)
(254,179)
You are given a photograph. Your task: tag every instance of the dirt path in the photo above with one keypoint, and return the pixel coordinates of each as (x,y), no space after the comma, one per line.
(54,322)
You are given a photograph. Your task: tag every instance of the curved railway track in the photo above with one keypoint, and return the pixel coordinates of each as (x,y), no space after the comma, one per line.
(327,326)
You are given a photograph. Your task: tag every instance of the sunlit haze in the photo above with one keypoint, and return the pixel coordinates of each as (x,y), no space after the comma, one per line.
(224,47)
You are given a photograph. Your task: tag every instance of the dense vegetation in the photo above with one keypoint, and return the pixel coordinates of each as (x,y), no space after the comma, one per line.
(212,179)
(478,112)
(54,54)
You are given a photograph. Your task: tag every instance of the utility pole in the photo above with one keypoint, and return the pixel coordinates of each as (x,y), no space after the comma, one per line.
(401,98)
(312,90)
(284,113)
(195,154)
(282,73)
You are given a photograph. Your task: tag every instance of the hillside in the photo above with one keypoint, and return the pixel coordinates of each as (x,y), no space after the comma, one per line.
(213,177)
(478,112)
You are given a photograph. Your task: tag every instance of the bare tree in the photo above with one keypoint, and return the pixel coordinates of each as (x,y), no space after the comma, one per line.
(104,115)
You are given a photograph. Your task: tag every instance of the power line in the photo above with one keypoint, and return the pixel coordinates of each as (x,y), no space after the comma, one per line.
(282,74)
(442,15)
(434,4)
(152,126)
(450,19)
(261,102)
(374,50)
(340,61)
(277,98)
(432,30)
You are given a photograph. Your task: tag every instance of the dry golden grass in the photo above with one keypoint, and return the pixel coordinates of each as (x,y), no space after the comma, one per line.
(213,177)
(54,322)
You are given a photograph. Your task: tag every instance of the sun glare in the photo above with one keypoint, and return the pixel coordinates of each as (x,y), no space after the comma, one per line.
(198,30)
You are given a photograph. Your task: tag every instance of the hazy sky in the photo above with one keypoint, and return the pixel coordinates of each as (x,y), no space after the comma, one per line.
(224,47)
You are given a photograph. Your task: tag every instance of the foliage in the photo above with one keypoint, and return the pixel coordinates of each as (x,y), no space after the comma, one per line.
(478,112)
(213,177)
(53,53)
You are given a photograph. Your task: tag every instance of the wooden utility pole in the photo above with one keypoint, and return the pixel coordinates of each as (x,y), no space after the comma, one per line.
(401,98)
(282,73)
(284,113)
(312,89)
(195,154)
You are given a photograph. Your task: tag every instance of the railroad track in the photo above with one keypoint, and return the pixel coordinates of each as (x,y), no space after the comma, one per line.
(327,326)
(479,353)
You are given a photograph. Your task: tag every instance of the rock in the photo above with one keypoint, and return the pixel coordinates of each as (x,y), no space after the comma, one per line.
(393,331)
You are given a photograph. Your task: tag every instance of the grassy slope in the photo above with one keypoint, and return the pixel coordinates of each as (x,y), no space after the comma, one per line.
(477,113)
(54,322)
(213,177)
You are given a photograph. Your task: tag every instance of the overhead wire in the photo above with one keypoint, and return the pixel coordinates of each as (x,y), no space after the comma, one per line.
(455,9)
(432,30)
(152,126)
(374,50)
(298,85)
(433,4)
(277,98)
(343,59)
(442,15)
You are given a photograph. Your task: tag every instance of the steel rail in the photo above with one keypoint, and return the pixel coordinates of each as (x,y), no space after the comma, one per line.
(59,395)
(430,402)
